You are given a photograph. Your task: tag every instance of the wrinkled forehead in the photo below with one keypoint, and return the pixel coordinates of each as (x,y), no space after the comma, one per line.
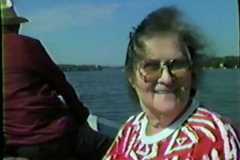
(162,46)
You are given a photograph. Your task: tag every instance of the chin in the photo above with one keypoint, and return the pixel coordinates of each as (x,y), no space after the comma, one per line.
(166,103)
(161,103)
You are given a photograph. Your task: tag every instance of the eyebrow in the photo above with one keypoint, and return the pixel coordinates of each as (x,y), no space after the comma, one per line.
(166,59)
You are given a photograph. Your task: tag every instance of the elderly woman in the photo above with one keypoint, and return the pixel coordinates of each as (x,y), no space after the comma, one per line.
(161,67)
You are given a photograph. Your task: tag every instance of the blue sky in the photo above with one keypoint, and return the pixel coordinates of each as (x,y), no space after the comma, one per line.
(96,31)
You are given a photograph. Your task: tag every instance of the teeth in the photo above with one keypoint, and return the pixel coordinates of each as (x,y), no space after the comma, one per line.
(159,89)
(162,91)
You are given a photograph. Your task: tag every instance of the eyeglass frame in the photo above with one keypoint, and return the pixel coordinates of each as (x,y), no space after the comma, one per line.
(166,64)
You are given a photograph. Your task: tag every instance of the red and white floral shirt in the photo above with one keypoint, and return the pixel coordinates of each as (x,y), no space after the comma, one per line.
(198,135)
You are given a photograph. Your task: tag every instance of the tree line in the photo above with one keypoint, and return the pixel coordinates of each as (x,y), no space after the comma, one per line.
(232,62)
(220,62)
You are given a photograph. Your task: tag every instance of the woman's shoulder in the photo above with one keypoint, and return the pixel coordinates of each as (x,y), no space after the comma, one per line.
(213,121)
(135,119)
(207,117)
(214,132)
(133,124)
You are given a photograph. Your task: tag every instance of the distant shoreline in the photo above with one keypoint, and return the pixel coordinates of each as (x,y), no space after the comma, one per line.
(71,68)
(80,68)
(228,62)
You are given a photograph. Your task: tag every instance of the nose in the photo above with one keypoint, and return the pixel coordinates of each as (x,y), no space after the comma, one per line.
(166,77)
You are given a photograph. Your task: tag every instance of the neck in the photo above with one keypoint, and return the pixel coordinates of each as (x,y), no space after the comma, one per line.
(11,28)
(158,122)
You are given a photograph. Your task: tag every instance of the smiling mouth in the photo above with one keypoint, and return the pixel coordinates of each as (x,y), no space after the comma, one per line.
(163,91)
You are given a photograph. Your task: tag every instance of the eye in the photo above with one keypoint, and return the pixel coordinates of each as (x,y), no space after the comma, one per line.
(179,64)
(151,65)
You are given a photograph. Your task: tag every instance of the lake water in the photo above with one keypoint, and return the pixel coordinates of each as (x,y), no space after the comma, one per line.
(106,94)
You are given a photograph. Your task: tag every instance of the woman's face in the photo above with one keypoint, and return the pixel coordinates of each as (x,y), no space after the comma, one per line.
(163,91)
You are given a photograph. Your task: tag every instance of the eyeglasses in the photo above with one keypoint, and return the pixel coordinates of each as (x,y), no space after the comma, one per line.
(151,70)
